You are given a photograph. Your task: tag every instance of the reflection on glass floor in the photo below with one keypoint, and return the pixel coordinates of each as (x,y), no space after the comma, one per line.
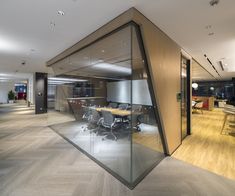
(113,154)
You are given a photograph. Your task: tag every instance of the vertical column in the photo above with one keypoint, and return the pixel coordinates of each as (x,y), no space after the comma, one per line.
(30,89)
(40,93)
(233,79)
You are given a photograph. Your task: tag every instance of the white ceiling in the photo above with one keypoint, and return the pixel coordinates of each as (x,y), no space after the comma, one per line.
(25,25)
(185,21)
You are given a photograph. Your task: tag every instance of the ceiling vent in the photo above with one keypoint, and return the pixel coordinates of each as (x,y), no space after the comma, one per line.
(214,2)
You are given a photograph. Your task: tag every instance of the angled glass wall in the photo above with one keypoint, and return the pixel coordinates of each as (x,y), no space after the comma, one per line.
(107,88)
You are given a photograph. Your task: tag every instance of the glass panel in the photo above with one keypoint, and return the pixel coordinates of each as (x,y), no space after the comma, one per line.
(101,97)
(147,148)
(184,97)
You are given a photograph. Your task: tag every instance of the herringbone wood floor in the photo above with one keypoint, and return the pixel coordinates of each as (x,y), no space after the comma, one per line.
(35,161)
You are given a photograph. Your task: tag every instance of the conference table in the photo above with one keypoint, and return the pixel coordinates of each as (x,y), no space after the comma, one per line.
(115,111)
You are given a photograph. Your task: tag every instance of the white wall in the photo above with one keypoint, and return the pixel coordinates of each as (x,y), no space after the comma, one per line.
(30,89)
(5,87)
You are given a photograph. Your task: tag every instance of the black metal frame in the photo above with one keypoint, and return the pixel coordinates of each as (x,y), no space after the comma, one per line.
(150,85)
(157,116)
(188,100)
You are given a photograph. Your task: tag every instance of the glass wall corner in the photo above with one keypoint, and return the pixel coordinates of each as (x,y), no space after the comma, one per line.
(107,90)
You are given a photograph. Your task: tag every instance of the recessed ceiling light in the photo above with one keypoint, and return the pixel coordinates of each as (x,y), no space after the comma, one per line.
(102,51)
(60,12)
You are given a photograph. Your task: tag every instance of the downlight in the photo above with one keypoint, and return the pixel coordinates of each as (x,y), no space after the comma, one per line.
(195,85)
(60,12)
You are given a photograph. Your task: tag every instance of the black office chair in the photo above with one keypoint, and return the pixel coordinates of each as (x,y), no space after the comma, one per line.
(110,122)
(123,106)
(136,116)
(86,116)
(112,105)
(94,121)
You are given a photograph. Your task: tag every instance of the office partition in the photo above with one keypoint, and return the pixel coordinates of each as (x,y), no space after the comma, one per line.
(111,97)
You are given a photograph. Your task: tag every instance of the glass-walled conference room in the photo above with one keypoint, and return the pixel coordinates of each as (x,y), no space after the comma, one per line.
(106,87)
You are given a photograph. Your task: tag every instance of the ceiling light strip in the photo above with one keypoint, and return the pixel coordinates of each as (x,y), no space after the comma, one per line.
(212,65)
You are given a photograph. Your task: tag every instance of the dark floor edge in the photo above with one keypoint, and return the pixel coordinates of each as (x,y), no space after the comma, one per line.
(131,186)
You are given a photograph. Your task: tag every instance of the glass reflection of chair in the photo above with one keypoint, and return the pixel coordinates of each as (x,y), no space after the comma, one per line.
(108,121)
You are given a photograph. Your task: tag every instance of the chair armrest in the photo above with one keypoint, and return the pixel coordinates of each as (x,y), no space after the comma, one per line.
(100,121)
(114,122)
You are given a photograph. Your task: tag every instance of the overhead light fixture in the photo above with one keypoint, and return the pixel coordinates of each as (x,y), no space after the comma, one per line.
(65,79)
(3,74)
(195,85)
(113,68)
(212,88)
(60,12)
(1,78)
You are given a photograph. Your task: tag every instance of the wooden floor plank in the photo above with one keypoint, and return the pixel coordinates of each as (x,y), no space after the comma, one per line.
(206,147)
